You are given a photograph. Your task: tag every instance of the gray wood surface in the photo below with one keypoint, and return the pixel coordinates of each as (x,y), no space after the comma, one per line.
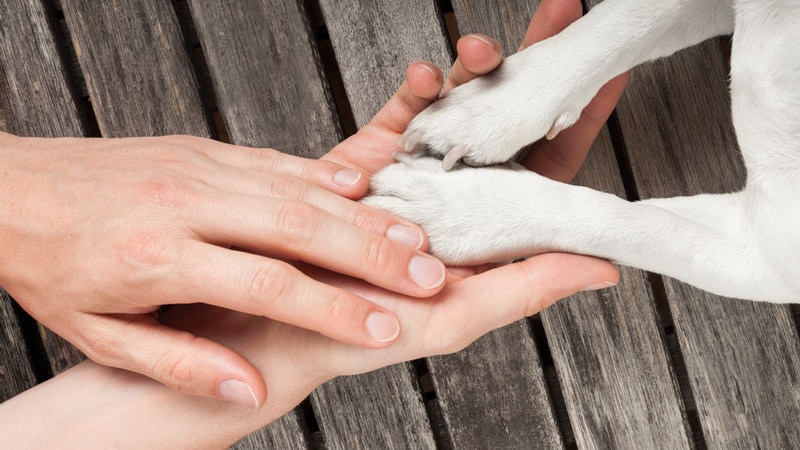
(138,73)
(375,41)
(266,72)
(494,393)
(35,95)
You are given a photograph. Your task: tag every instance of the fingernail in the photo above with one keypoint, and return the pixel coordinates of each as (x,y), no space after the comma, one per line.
(406,235)
(598,286)
(382,327)
(482,37)
(238,392)
(346,177)
(426,272)
(430,69)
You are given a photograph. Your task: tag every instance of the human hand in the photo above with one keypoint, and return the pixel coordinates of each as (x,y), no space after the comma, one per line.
(102,232)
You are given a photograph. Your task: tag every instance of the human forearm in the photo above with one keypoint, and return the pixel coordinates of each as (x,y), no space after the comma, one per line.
(92,406)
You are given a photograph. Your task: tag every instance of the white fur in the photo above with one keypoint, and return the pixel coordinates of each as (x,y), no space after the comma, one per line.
(744,244)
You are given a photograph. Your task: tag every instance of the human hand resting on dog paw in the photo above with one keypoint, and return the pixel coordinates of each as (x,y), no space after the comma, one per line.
(99,233)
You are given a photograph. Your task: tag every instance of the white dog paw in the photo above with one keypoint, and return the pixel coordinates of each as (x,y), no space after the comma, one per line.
(459,210)
(533,94)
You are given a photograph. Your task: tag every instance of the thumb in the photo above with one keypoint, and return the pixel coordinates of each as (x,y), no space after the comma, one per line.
(178,359)
(530,286)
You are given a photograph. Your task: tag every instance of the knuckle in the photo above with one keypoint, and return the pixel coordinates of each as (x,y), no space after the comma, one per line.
(148,248)
(297,221)
(380,254)
(175,369)
(288,188)
(183,141)
(268,284)
(367,219)
(166,192)
(146,256)
(337,308)
(265,159)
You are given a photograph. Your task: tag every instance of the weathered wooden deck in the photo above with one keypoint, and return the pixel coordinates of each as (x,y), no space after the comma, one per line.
(652,363)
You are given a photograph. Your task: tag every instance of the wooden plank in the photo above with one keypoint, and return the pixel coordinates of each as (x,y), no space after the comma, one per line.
(141,82)
(265,68)
(493,393)
(382,409)
(596,339)
(35,97)
(743,358)
(137,71)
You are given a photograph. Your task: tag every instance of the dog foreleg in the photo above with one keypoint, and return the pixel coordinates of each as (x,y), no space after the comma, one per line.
(544,88)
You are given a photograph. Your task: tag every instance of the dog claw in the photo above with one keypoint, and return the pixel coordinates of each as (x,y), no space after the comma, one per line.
(410,142)
(554,130)
(453,157)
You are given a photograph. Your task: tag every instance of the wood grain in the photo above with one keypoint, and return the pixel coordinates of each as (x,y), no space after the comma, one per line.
(35,96)
(267,76)
(494,394)
(137,71)
(375,41)
(381,409)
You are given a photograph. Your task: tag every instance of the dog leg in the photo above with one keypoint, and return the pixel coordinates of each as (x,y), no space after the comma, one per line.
(544,88)
(495,214)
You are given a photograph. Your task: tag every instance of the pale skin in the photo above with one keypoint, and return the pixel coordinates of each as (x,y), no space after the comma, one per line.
(105,406)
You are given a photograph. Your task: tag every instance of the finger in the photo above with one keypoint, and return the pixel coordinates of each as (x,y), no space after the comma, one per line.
(526,289)
(421,87)
(177,359)
(246,164)
(477,55)
(550,18)
(275,289)
(253,197)
(562,157)
(301,231)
